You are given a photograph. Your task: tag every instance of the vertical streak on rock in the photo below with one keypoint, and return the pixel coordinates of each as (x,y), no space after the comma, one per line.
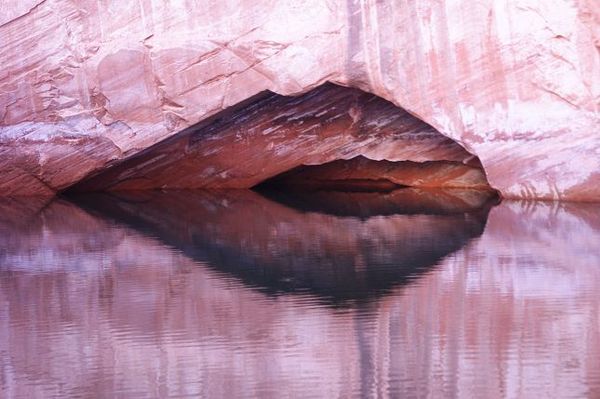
(353,54)
(515,81)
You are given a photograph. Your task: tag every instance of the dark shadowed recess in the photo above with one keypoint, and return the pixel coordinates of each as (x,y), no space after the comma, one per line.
(352,254)
(366,202)
(364,174)
(269,135)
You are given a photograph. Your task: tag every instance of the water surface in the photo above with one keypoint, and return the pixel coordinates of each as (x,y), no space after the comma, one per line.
(240,294)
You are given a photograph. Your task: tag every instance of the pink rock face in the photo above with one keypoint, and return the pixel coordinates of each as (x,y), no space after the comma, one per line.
(271,134)
(516,83)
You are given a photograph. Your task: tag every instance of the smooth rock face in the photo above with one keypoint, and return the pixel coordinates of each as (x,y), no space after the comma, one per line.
(517,83)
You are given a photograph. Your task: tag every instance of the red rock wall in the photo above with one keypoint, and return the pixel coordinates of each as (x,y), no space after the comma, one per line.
(517,83)
(271,134)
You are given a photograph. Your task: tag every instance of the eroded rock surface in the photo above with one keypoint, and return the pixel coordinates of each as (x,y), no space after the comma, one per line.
(272,134)
(517,83)
(361,173)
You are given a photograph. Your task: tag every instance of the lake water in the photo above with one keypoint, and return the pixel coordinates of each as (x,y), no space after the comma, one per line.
(240,294)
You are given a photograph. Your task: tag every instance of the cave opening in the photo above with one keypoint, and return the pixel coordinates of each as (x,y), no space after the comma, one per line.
(364,174)
(330,138)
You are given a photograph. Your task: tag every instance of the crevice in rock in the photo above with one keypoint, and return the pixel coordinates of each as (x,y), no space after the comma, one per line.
(363,174)
(360,141)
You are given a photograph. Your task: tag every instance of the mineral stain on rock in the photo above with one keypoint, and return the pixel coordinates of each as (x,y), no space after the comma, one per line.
(86,88)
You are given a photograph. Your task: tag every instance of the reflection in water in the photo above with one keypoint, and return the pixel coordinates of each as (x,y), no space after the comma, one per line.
(407,201)
(278,248)
(159,295)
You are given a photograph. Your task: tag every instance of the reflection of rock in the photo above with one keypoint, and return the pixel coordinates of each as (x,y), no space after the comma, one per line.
(405,201)
(361,173)
(52,236)
(515,313)
(280,249)
(271,134)
(15,213)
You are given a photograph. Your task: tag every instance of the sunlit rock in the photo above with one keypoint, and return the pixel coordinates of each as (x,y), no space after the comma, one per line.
(85,84)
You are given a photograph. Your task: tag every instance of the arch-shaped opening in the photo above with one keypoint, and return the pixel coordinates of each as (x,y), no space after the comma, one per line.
(332,136)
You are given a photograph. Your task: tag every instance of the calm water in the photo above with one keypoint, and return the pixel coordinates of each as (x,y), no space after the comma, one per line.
(335,295)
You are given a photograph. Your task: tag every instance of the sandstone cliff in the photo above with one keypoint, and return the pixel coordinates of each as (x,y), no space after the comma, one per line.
(85,85)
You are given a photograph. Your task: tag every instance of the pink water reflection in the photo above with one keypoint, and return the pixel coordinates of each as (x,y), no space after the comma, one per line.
(97,307)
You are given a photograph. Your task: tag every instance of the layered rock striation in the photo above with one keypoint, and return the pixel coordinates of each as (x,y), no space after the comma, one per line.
(363,174)
(85,85)
(271,134)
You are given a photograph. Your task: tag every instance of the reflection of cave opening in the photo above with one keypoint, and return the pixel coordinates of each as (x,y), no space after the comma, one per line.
(340,246)
(330,136)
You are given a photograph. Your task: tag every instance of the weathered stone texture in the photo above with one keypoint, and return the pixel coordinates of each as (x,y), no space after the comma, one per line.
(517,82)
(272,134)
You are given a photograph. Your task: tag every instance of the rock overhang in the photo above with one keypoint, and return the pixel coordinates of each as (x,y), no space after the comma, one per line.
(523,97)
